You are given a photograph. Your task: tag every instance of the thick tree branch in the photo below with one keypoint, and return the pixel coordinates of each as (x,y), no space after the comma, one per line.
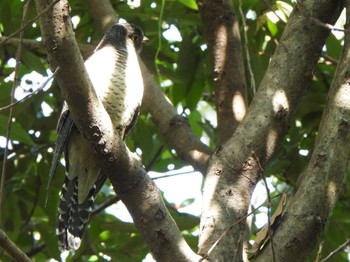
(38,46)
(134,187)
(12,249)
(324,179)
(233,170)
(221,30)
(103,13)
(174,128)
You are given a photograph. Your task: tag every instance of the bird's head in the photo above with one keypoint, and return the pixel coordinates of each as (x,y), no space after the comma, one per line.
(118,35)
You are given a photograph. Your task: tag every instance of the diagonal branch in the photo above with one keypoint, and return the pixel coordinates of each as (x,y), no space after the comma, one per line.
(125,171)
(12,249)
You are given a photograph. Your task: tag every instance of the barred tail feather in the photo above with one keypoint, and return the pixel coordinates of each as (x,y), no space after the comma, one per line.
(72,216)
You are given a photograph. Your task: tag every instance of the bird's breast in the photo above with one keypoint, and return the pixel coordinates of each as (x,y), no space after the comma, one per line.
(117,80)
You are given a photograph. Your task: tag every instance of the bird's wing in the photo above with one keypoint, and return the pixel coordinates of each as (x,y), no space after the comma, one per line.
(64,127)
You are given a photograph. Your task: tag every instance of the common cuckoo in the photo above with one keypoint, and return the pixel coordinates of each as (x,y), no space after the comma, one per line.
(116,77)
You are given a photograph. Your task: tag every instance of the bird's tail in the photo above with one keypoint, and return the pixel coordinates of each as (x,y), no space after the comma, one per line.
(72,216)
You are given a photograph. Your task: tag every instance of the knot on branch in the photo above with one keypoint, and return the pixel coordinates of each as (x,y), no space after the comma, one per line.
(178,121)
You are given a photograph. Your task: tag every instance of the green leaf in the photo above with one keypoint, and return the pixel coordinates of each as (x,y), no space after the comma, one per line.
(17,132)
(189,3)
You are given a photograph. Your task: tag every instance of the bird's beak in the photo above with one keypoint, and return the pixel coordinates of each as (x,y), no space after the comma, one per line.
(145,40)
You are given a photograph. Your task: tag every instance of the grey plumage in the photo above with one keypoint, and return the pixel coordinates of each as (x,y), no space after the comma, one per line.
(115,74)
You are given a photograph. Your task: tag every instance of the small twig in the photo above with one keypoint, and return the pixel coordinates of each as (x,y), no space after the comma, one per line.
(269,205)
(29,22)
(12,249)
(115,199)
(249,64)
(177,174)
(35,250)
(338,249)
(319,252)
(328,26)
(155,157)
(239,247)
(35,202)
(32,93)
(106,204)
(159,47)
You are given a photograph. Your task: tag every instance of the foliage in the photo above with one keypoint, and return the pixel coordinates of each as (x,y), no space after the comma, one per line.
(183,71)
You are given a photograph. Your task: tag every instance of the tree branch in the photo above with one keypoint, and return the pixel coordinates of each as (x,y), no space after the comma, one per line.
(173,127)
(233,171)
(324,178)
(134,187)
(103,13)
(221,30)
(12,249)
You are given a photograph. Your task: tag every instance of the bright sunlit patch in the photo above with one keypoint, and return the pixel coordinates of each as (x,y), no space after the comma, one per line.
(34,25)
(47,110)
(172,34)
(3,143)
(105,257)
(204,47)
(153,5)
(175,48)
(148,258)
(259,198)
(38,158)
(280,101)
(208,112)
(238,106)
(251,15)
(271,141)
(75,21)
(134,3)
(303,152)
(187,111)
(166,83)
(171,167)
(340,24)
(37,134)
(120,211)
(138,151)
(342,98)
(36,235)
(11,62)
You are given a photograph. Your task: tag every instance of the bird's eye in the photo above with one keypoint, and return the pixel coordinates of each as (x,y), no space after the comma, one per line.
(135,38)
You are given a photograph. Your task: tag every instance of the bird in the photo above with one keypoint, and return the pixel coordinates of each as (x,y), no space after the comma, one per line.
(115,73)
